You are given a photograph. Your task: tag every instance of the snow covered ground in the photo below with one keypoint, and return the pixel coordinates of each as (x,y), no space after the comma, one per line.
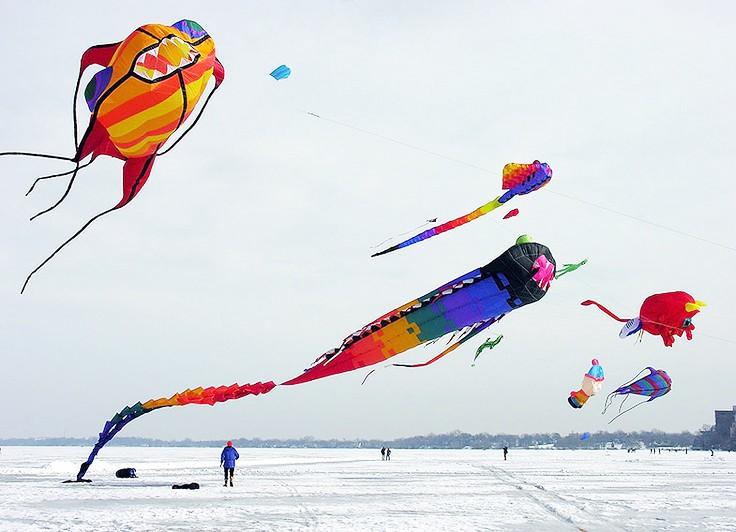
(286,489)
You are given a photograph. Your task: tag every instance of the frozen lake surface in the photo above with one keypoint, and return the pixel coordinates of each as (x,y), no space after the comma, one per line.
(331,489)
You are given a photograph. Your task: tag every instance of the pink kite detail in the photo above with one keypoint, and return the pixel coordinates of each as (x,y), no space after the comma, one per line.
(511,214)
(545,272)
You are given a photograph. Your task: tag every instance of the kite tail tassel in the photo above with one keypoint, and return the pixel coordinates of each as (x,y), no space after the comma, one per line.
(607,403)
(366,377)
(385,251)
(63,196)
(603,309)
(627,410)
(42,178)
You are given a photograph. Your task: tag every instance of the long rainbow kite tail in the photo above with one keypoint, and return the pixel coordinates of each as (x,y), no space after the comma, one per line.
(447,226)
(518,179)
(197,396)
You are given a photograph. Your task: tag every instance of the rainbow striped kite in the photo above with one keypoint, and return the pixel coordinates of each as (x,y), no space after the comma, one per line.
(653,385)
(518,179)
(150,84)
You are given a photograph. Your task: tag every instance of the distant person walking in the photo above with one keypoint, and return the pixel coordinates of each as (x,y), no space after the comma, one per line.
(388,453)
(505,452)
(383,453)
(227,461)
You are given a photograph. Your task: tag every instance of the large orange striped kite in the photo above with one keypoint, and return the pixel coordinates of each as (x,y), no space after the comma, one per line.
(150,84)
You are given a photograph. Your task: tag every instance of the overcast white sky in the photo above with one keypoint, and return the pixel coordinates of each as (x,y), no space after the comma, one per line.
(247,253)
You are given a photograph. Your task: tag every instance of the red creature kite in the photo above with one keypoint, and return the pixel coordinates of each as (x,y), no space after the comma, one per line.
(667,315)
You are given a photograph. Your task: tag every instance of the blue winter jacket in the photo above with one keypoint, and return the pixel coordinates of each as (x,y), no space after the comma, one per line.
(228,457)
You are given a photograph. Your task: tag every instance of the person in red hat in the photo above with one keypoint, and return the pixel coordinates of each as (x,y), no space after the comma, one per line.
(227,460)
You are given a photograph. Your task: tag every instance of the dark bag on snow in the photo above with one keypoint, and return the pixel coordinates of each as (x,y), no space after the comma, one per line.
(126,472)
(190,486)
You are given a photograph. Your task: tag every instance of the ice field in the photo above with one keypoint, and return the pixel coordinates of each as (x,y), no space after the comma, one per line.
(287,489)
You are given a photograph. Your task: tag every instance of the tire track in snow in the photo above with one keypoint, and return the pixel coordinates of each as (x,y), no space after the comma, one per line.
(308,517)
(594,515)
(548,500)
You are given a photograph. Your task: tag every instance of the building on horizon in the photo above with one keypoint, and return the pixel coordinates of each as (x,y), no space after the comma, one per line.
(722,435)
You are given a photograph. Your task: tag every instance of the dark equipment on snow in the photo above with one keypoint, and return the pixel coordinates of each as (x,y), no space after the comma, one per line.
(190,486)
(126,472)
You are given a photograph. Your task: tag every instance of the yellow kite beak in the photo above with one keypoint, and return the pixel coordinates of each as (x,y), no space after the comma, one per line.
(695,306)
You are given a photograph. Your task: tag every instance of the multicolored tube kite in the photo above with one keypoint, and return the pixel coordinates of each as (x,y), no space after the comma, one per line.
(518,179)
(518,277)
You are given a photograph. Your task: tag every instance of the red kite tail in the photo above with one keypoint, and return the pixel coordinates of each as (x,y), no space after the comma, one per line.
(135,175)
(604,309)
(218,72)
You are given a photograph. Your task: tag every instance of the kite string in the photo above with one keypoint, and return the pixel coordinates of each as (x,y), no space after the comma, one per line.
(399,142)
(642,220)
(561,194)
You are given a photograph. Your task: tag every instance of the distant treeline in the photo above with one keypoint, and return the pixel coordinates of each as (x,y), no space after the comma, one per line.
(452,440)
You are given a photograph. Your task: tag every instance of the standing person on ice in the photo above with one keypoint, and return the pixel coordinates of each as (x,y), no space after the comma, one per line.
(383,453)
(227,460)
(505,451)
(388,453)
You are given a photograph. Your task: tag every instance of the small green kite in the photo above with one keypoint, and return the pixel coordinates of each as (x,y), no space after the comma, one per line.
(488,344)
(567,268)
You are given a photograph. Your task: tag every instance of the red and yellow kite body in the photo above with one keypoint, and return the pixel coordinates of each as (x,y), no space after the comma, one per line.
(149,85)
